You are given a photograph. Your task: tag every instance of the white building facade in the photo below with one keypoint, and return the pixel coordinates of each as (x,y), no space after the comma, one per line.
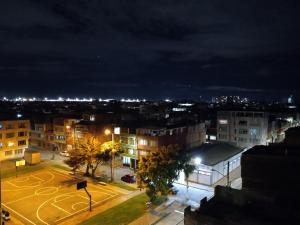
(244,129)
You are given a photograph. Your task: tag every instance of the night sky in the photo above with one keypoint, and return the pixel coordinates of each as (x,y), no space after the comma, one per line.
(150,48)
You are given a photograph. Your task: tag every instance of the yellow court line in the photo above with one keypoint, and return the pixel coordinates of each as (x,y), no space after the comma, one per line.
(53,204)
(19,214)
(82,210)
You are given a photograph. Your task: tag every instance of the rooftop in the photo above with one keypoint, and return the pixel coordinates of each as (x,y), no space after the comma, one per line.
(212,154)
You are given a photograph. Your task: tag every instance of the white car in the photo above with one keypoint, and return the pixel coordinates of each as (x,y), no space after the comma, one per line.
(64,153)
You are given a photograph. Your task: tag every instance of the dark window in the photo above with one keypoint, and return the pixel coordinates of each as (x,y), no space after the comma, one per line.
(23,142)
(10,135)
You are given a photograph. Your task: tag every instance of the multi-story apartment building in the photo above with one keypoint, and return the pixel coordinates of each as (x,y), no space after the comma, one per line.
(243,128)
(185,136)
(64,133)
(153,138)
(128,144)
(13,138)
(41,136)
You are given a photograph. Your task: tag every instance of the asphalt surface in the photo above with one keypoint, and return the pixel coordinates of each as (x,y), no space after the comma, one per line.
(49,197)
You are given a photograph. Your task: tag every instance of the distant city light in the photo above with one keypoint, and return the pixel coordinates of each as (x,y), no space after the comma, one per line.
(19,115)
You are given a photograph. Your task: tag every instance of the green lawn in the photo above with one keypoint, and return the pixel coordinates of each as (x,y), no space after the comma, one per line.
(122,185)
(121,214)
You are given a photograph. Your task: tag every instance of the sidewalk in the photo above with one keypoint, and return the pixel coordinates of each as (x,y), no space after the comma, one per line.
(161,213)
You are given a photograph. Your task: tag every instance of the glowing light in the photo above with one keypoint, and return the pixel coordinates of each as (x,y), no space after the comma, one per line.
(107,132)
(10,144)
(68,126)
(197,161)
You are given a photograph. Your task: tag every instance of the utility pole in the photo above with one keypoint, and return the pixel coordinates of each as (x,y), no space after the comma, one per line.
(228,174)
(112,157)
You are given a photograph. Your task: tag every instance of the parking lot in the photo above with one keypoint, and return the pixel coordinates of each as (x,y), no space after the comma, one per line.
(49,197)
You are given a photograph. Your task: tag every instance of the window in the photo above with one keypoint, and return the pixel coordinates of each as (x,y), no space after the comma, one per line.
(1,144)
(60,137)
(22,134)
(243,131)
(9,126)
(22,125)
(222,136)
(153,143)
(242,139)
(253,131)
(10,135)
(1,126)
(23,142)
(223,128)
(0,136)
(143,142)
(223,122)
(243,123)
(8,153)
(131,141)
(19,151)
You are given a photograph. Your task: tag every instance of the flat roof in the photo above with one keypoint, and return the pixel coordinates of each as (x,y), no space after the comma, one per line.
(212,154)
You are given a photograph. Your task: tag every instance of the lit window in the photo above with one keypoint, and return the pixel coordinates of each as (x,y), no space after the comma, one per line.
(223,121)
(143,142)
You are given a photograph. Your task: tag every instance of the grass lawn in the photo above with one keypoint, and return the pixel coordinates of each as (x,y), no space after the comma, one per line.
(122,185)
(22,170)
(123,213)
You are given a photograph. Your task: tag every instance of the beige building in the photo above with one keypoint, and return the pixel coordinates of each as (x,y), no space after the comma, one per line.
(14,135)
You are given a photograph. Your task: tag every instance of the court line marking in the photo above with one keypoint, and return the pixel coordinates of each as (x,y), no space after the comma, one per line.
(57,174)
(19,214)
(53,204)
(73,206)
(82,210)
(20,199)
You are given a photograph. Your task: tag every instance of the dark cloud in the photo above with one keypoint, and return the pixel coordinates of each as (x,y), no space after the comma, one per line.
(149,48)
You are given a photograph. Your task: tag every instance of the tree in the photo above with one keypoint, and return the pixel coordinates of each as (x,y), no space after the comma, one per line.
(87,152)
(112,149)
(158,170)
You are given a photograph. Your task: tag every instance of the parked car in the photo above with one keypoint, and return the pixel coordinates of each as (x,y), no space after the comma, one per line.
(128,178)
(64,153)
(5,215)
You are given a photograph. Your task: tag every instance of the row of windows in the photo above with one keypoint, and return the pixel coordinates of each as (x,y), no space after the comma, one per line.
(17,152)
(252,140)
(248,114)
(147,143)
(12,126)
(11,144)
(11,135)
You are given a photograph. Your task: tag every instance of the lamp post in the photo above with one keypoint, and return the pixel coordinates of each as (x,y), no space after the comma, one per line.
(108,132)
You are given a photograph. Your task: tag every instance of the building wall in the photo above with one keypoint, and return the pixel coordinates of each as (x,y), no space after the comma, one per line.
(14,138)
(244,129)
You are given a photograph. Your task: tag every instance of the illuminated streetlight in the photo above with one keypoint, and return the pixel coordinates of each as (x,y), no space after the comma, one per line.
(197,161)
(107,132)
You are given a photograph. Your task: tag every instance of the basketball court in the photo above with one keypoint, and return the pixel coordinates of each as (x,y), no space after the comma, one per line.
(48,197)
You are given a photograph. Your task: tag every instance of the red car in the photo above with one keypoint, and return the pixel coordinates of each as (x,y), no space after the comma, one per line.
(128,178)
